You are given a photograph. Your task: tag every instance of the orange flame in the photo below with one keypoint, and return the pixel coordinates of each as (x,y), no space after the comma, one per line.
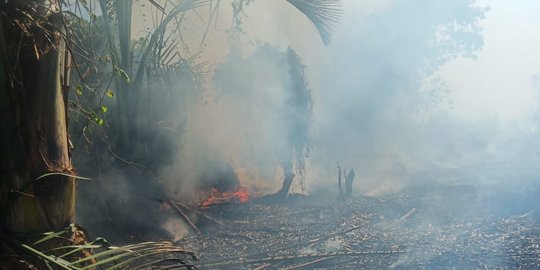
(241,195)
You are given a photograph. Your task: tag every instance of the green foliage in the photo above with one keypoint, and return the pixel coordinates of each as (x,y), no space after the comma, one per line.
(79,90)
(122,74)
(58,250)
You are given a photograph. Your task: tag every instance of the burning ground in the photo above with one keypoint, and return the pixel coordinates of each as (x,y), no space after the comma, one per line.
(435,226)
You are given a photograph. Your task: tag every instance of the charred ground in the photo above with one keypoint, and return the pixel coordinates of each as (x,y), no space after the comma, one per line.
(423,227)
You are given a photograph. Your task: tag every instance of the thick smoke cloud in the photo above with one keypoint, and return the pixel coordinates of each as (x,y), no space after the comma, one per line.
(380,105)
(254,116)
(378,98)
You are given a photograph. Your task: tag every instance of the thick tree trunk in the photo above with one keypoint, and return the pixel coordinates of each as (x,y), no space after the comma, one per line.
(34,197)
(127,98)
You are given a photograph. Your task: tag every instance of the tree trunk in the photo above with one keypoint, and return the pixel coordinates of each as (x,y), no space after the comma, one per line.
(288,179)
(339,181)
(127,99)
(36,195)
(348,183)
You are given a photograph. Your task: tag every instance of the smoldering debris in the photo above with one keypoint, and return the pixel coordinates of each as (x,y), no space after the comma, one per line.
(322,232)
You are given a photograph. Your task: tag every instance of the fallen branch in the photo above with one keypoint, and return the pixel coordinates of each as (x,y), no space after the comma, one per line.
(400,220)
(199,213)
(183,215)
(404,217)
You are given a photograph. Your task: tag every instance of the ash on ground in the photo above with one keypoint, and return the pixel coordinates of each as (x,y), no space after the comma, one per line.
(422,227)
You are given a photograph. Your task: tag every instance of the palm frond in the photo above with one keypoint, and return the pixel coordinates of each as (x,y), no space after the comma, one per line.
(157,5)
(324,14)
(98,253)
(151,48)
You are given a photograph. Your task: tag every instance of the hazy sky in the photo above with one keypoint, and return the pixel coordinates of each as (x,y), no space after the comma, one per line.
(499,82)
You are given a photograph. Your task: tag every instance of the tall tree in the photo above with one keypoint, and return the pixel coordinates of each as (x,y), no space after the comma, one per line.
(267,94)
(298,121)
(37,187)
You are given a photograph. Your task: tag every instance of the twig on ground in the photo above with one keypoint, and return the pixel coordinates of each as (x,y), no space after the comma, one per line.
(263,266)
(183,215)
(199,213)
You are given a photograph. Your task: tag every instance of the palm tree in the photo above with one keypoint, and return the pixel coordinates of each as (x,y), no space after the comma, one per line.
(37,190)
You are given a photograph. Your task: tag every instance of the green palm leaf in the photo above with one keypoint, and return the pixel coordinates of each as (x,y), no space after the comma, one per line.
(99,253)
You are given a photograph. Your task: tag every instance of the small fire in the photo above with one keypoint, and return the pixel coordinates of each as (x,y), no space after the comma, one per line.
(241,195)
